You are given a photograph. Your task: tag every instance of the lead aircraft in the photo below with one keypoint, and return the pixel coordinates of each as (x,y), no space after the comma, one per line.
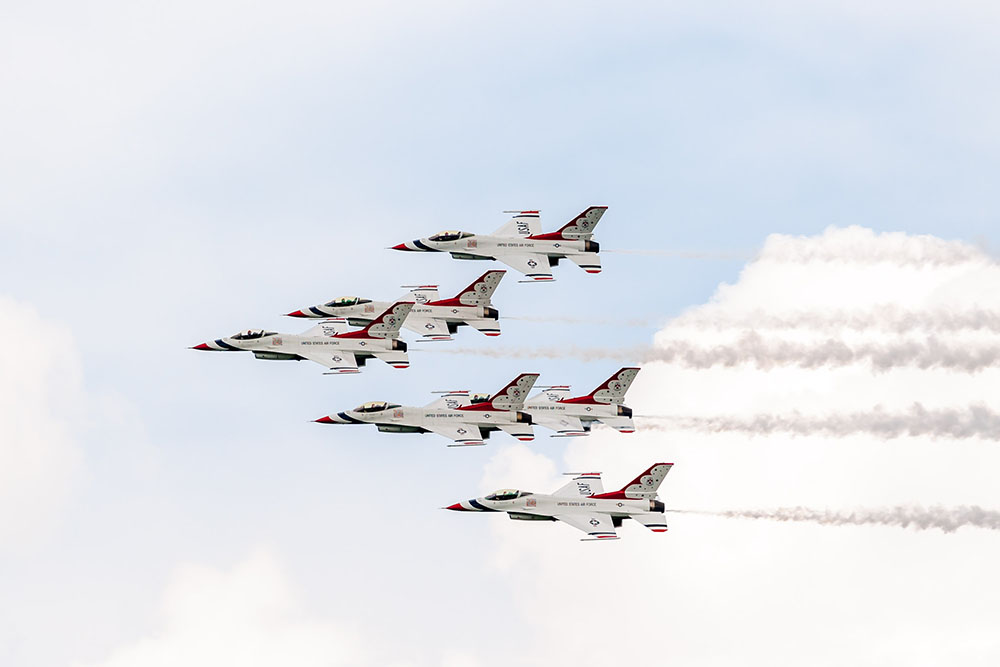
(327,343)
(451,415)
(583,504)
(433,318)
(521,244)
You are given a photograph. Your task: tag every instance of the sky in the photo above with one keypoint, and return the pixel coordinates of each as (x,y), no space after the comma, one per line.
(800,250)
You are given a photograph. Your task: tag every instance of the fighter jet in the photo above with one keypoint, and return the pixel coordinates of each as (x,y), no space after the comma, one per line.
(574,416)
(583,504)
(433,318)
(328,343)
(521,245)
(451,416)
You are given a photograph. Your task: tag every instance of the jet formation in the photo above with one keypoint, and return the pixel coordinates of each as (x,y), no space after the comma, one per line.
(351,330)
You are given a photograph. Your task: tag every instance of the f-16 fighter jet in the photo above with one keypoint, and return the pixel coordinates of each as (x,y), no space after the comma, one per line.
(431,317)
(521,245)
(451,416)
(327,344)
(574,416)
(583,504)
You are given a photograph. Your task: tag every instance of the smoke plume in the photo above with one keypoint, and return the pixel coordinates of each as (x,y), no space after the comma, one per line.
(976,421)
(768,353)
(945,519)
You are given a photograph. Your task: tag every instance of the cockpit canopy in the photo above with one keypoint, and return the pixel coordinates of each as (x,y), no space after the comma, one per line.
(251,334)
(375,406)
(479,398)
(449,236)
(347,301)
(507,494)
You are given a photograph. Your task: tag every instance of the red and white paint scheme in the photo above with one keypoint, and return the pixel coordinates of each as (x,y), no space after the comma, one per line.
(452,415)
(329,343)
(431,317)
(583,504)
(568,417)
(521,244)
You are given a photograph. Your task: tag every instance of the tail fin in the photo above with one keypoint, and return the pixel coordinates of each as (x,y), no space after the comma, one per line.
(611,391)
(385,325)
(510,397)
(643,486)
(582,226)
(481,290)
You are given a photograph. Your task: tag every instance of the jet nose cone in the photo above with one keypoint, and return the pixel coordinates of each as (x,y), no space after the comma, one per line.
(324,420)
(457,507)
(297,313)
(400,246)
(201,346)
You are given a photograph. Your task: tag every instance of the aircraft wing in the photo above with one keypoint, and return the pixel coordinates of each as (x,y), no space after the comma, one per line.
(337,362)
(329,327)
(430,328)
(549,395)
(563,425)
(524,223)
(534,266)
(583,485)
(421,294)
(597,526)
(461,435)
(449,401)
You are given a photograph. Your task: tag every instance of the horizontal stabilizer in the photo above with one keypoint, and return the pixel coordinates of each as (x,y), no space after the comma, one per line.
(485,326)
(520,431)
(588,261)
(655,521)
(395,358)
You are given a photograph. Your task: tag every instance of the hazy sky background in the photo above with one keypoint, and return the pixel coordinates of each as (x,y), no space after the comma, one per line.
(171,174)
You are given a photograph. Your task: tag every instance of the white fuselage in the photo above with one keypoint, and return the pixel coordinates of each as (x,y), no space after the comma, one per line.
(429,417)
(494,246)
(405,418)
(289,346)
(456,314)
(585,412)
(544,505)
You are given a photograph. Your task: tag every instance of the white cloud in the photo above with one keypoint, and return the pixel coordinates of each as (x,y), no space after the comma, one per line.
(718,590)
(41,409)
(247,615)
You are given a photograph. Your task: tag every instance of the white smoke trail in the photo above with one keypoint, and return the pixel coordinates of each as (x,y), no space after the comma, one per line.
(887,318)
(752,348)
(856,245)
(587,321)
(977,421)
(852,245)
(684,254)
(945,519)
